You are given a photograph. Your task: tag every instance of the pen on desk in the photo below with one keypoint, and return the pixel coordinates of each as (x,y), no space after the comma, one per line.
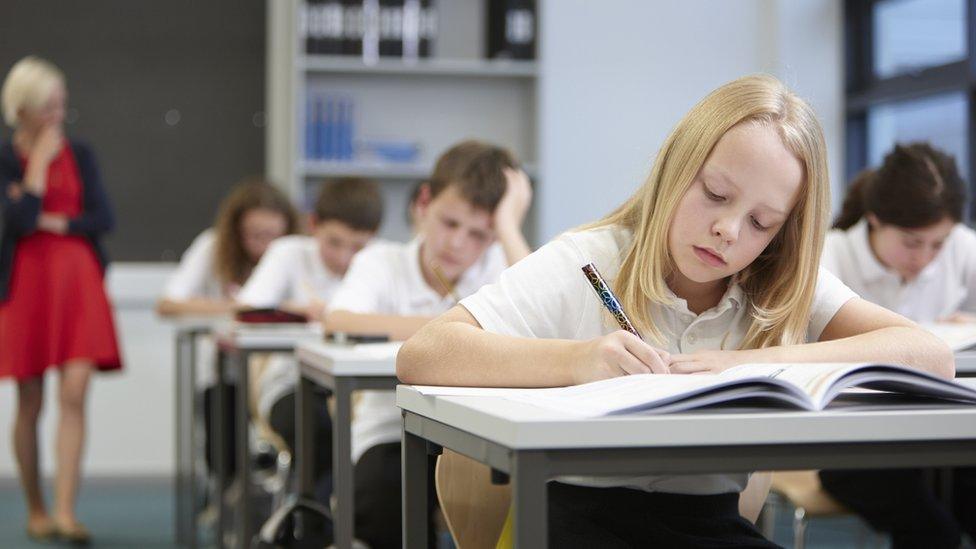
(609,300)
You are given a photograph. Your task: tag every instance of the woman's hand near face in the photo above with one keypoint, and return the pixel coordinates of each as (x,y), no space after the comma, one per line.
(47,145)
(707,362)
(617,354)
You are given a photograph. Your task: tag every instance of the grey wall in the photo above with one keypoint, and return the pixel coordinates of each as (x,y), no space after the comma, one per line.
(128,64)
(617,75)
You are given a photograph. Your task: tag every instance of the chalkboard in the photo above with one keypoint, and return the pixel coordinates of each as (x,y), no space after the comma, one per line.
(170,94)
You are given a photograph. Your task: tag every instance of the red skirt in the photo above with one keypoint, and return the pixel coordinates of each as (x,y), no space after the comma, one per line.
(57,309)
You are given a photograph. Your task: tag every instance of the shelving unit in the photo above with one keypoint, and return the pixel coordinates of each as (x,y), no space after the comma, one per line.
(434,102)
(482,68)
(376,170)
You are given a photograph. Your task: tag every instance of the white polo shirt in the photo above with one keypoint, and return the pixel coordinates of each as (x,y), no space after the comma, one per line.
(546,296)
(291,270)
(196,276)
(945,286)
(386,279)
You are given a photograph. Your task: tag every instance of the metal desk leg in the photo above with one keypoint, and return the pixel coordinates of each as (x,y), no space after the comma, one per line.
(217,437)
(529,476)
(185,402)
(181,500)
(243,451)
(415,472)
(190,440)
(304,438)
(342,467)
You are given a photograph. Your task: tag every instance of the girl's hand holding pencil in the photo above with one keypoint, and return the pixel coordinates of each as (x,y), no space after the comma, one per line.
(618,354)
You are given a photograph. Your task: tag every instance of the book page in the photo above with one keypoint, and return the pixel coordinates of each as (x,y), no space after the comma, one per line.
(599,398)
(815,379)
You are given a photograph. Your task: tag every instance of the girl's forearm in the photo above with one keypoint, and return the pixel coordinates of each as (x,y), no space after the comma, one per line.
(195,306)
(449,352)
(903,345)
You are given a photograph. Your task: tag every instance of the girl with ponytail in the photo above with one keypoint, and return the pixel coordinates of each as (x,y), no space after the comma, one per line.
(899,242)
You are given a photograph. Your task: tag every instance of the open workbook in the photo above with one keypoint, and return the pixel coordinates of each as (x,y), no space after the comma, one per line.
(802,386)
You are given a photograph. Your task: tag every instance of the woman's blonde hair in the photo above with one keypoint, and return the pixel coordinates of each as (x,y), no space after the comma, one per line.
(29,84)
(231,262)
(779,285)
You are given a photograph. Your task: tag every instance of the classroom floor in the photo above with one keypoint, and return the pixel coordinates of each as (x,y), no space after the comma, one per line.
(119,514)
(139,513)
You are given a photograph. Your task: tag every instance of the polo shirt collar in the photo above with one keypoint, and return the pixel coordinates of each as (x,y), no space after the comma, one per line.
(422,294)
(867,262)
(733,298)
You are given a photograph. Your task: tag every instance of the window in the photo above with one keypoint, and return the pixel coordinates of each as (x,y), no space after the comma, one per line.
(911,76)
(910,35)
(939,119)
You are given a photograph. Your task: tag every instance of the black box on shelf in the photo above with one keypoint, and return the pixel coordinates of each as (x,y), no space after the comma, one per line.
(512,29)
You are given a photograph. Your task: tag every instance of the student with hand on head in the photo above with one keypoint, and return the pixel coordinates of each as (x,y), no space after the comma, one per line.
(302,273)
(470,216)
(899,242)
(716,261)
(54,312)
(220,259)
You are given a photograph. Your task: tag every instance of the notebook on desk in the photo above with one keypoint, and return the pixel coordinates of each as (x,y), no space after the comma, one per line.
(800,386)
(264,316)
(959,336)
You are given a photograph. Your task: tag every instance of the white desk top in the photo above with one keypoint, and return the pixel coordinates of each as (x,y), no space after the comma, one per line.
(523,426)
(258,337)
(965,363)
(365,359)
(196,322)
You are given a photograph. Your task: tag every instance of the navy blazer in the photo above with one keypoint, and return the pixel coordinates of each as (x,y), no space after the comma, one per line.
(18,218)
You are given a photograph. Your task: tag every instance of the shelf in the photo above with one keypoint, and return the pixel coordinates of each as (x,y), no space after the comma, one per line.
(376,170)
(477,68)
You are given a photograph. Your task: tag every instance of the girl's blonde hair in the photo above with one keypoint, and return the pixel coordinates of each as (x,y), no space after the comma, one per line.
(779,285)
(231,262)
(29,84)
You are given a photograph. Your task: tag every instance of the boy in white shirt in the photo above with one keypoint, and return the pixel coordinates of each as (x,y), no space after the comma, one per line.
(302,273)
(475,196)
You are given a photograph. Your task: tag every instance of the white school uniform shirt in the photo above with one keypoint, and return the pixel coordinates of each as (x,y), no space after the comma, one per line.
(291,270)
(386,279)
(196,276)
(945,286)
(547,296)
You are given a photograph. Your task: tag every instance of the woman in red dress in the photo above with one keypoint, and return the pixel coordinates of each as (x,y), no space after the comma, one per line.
(53,309)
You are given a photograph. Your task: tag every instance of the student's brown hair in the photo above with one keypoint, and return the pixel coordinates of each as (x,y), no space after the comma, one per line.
(354,201)
(916,186)
(231,263)
(476,169)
